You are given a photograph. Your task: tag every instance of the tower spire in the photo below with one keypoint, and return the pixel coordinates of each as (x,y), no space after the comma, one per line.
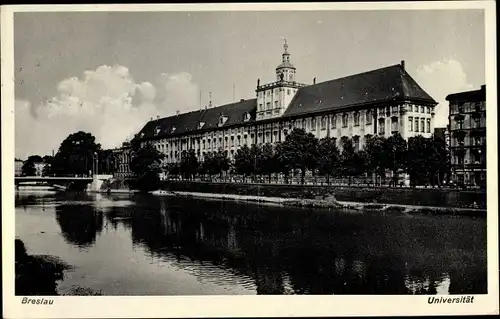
(285,55)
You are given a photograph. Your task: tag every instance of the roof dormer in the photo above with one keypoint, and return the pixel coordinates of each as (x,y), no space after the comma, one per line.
(247,117)
(173,129)
(222,120)
(157,130)
(200,125)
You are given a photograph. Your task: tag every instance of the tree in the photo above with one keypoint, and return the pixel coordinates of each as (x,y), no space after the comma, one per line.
(374,152)
(28,168)
(417,159)
(244,161)
(438,160)
(396,153)
(76,154)
(266,160)
(221,162)
(189,164)
(145,164)
(427,160)
(173,169)
(255,154)
(328,158)
(283,164)
(300,150)
(106,162)
(347,159)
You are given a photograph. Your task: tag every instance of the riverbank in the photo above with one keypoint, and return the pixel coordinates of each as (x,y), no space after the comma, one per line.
(431,197)
(331,203)
(38,275)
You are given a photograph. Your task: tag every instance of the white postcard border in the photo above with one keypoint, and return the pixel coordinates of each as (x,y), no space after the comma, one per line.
(243,306)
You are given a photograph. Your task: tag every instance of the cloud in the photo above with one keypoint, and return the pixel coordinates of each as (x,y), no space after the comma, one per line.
(439,79)
(178,92)
(106,102)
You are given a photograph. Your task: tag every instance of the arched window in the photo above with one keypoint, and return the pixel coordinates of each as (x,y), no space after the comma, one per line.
(369,117)
(333,122)
(345,118)
(356,118)
(323,123)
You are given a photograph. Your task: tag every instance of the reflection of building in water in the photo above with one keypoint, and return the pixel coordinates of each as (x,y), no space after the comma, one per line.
(283,255)
(427,285)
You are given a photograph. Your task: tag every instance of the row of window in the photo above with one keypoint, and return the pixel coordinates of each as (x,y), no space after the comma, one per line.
(419,109)
(461,122)
(416,127)
(467,107)
(276,91)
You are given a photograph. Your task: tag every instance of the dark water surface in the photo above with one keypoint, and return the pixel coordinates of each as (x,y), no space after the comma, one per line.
(150,245)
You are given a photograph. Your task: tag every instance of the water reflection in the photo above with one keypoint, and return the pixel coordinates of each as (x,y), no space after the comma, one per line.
(317,252)
(277,250)
(80,224)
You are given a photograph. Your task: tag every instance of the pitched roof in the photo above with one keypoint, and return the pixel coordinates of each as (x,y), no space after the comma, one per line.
(189,122)
(385,84)
(475,95)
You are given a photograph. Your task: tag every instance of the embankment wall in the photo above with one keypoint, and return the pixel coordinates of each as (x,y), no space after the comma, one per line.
(402,196)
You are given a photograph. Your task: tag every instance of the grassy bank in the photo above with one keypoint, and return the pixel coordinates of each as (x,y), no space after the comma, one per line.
(448,198)
(38,275)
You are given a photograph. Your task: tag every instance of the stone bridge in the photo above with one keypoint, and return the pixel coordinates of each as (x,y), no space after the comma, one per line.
(63,182)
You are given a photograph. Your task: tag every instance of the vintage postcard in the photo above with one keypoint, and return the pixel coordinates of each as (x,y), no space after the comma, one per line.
(249,160)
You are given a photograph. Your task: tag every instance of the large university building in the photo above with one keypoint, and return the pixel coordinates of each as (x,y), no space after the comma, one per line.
(381,101)
(467,123)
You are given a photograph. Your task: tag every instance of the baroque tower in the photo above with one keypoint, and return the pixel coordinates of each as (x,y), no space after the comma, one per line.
(273,98)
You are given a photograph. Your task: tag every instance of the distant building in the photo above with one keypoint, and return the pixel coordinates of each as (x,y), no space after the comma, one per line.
(467,122)
(122,162)
(18,167)
(39,168)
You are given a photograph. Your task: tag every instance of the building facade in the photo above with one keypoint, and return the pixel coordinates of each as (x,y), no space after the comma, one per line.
(39,169)
(122,161)
(18,167)
(378,102)
(467,124)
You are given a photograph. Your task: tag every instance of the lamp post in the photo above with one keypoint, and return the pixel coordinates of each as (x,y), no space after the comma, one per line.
(96,163)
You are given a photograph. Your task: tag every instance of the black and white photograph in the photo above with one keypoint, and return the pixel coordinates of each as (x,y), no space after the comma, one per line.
(208,151)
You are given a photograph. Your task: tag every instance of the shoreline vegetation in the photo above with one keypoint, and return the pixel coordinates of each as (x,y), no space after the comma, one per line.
(39,275)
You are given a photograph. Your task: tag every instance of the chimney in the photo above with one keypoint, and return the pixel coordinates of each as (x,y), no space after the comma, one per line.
(314,80)
(403,64)
(157,117)
(242,100)
(177,112)
(483,87)
(151,118)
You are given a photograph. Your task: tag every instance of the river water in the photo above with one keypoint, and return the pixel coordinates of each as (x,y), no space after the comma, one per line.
(152,245)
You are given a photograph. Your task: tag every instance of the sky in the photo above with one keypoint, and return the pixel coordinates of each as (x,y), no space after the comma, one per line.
(108,73)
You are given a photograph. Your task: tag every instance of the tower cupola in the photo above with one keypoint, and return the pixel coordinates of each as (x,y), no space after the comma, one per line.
(285,71)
